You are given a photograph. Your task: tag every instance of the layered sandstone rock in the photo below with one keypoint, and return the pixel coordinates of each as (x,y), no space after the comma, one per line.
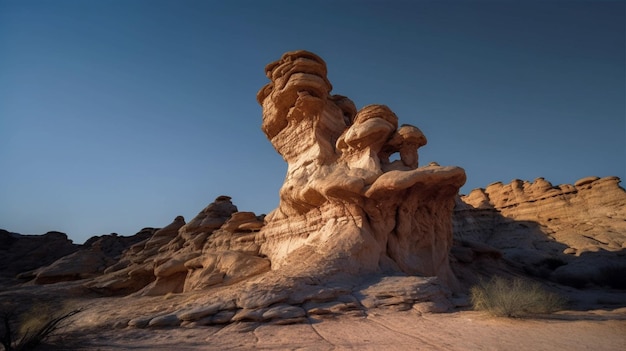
(215,248)
(344,205)
(98,253)
(569,233)
(354,230)
(348,216)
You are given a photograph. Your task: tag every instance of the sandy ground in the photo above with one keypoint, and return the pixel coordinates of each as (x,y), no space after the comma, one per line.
(382,330)
(102,326)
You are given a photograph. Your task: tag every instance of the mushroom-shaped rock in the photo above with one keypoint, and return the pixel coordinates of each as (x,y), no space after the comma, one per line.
(368,133)
(406,141)
(342,201)
(371,128)
(295,75)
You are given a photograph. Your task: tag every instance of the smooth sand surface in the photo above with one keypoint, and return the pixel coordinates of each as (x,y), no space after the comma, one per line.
(381,330)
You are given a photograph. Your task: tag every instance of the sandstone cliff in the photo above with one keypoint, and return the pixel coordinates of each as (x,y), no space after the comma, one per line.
(568,233)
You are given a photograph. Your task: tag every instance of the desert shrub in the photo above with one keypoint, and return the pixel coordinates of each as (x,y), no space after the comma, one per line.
(514,297)
(6,337)
(32,328)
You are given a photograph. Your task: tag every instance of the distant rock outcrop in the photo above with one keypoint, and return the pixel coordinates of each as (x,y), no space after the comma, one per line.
(571,234)
(22,253)
(98,253)
(217,247)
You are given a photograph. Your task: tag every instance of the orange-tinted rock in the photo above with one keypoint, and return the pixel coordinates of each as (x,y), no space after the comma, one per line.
(342,198)
(569,233)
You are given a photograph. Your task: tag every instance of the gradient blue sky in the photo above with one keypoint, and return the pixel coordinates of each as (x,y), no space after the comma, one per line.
(121,114)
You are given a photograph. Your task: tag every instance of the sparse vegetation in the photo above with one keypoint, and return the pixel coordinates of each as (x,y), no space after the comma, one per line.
(32,328)
(514,298)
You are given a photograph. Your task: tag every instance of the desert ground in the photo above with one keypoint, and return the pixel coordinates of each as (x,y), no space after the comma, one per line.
(595,319)
(381,330)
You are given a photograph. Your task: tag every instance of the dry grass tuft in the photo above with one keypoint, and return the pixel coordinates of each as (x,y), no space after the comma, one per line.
(514,298)
(35,326)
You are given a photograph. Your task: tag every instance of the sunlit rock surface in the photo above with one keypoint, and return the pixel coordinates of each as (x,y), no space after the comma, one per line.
(573,234)
(344,204)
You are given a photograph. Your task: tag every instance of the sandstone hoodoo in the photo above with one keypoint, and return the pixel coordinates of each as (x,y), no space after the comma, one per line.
(348,217)
(344,205)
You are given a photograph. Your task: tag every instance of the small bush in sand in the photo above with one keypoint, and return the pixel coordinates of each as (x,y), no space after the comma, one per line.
(34,327)
(514,298)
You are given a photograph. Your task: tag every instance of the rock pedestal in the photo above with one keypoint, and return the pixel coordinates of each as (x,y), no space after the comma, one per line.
(344,204)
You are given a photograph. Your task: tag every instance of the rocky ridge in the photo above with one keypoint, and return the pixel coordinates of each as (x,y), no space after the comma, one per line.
(20,253)
(570,233)
(490,230)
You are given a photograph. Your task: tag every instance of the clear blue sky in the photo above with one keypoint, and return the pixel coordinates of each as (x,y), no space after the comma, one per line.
(121,114)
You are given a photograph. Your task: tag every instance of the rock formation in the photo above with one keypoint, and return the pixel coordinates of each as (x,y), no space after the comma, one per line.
(356,227)
(21,253)
(344,205)
(571,234)
(345,208)
(217,247)
(353,229)
(98,253)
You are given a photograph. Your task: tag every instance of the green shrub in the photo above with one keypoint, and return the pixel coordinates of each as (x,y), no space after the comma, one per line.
(514,298)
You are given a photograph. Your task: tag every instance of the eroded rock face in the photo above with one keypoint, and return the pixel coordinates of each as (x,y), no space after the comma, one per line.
(215,248)
(93,257)
(572,234)
(344,205)
(23,253)
(354,230)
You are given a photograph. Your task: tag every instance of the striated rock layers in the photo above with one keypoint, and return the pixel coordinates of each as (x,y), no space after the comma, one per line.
(215,248)
(360,225)
(572,234)
(98,253)
(353,230)
(345,208)
(344,205)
